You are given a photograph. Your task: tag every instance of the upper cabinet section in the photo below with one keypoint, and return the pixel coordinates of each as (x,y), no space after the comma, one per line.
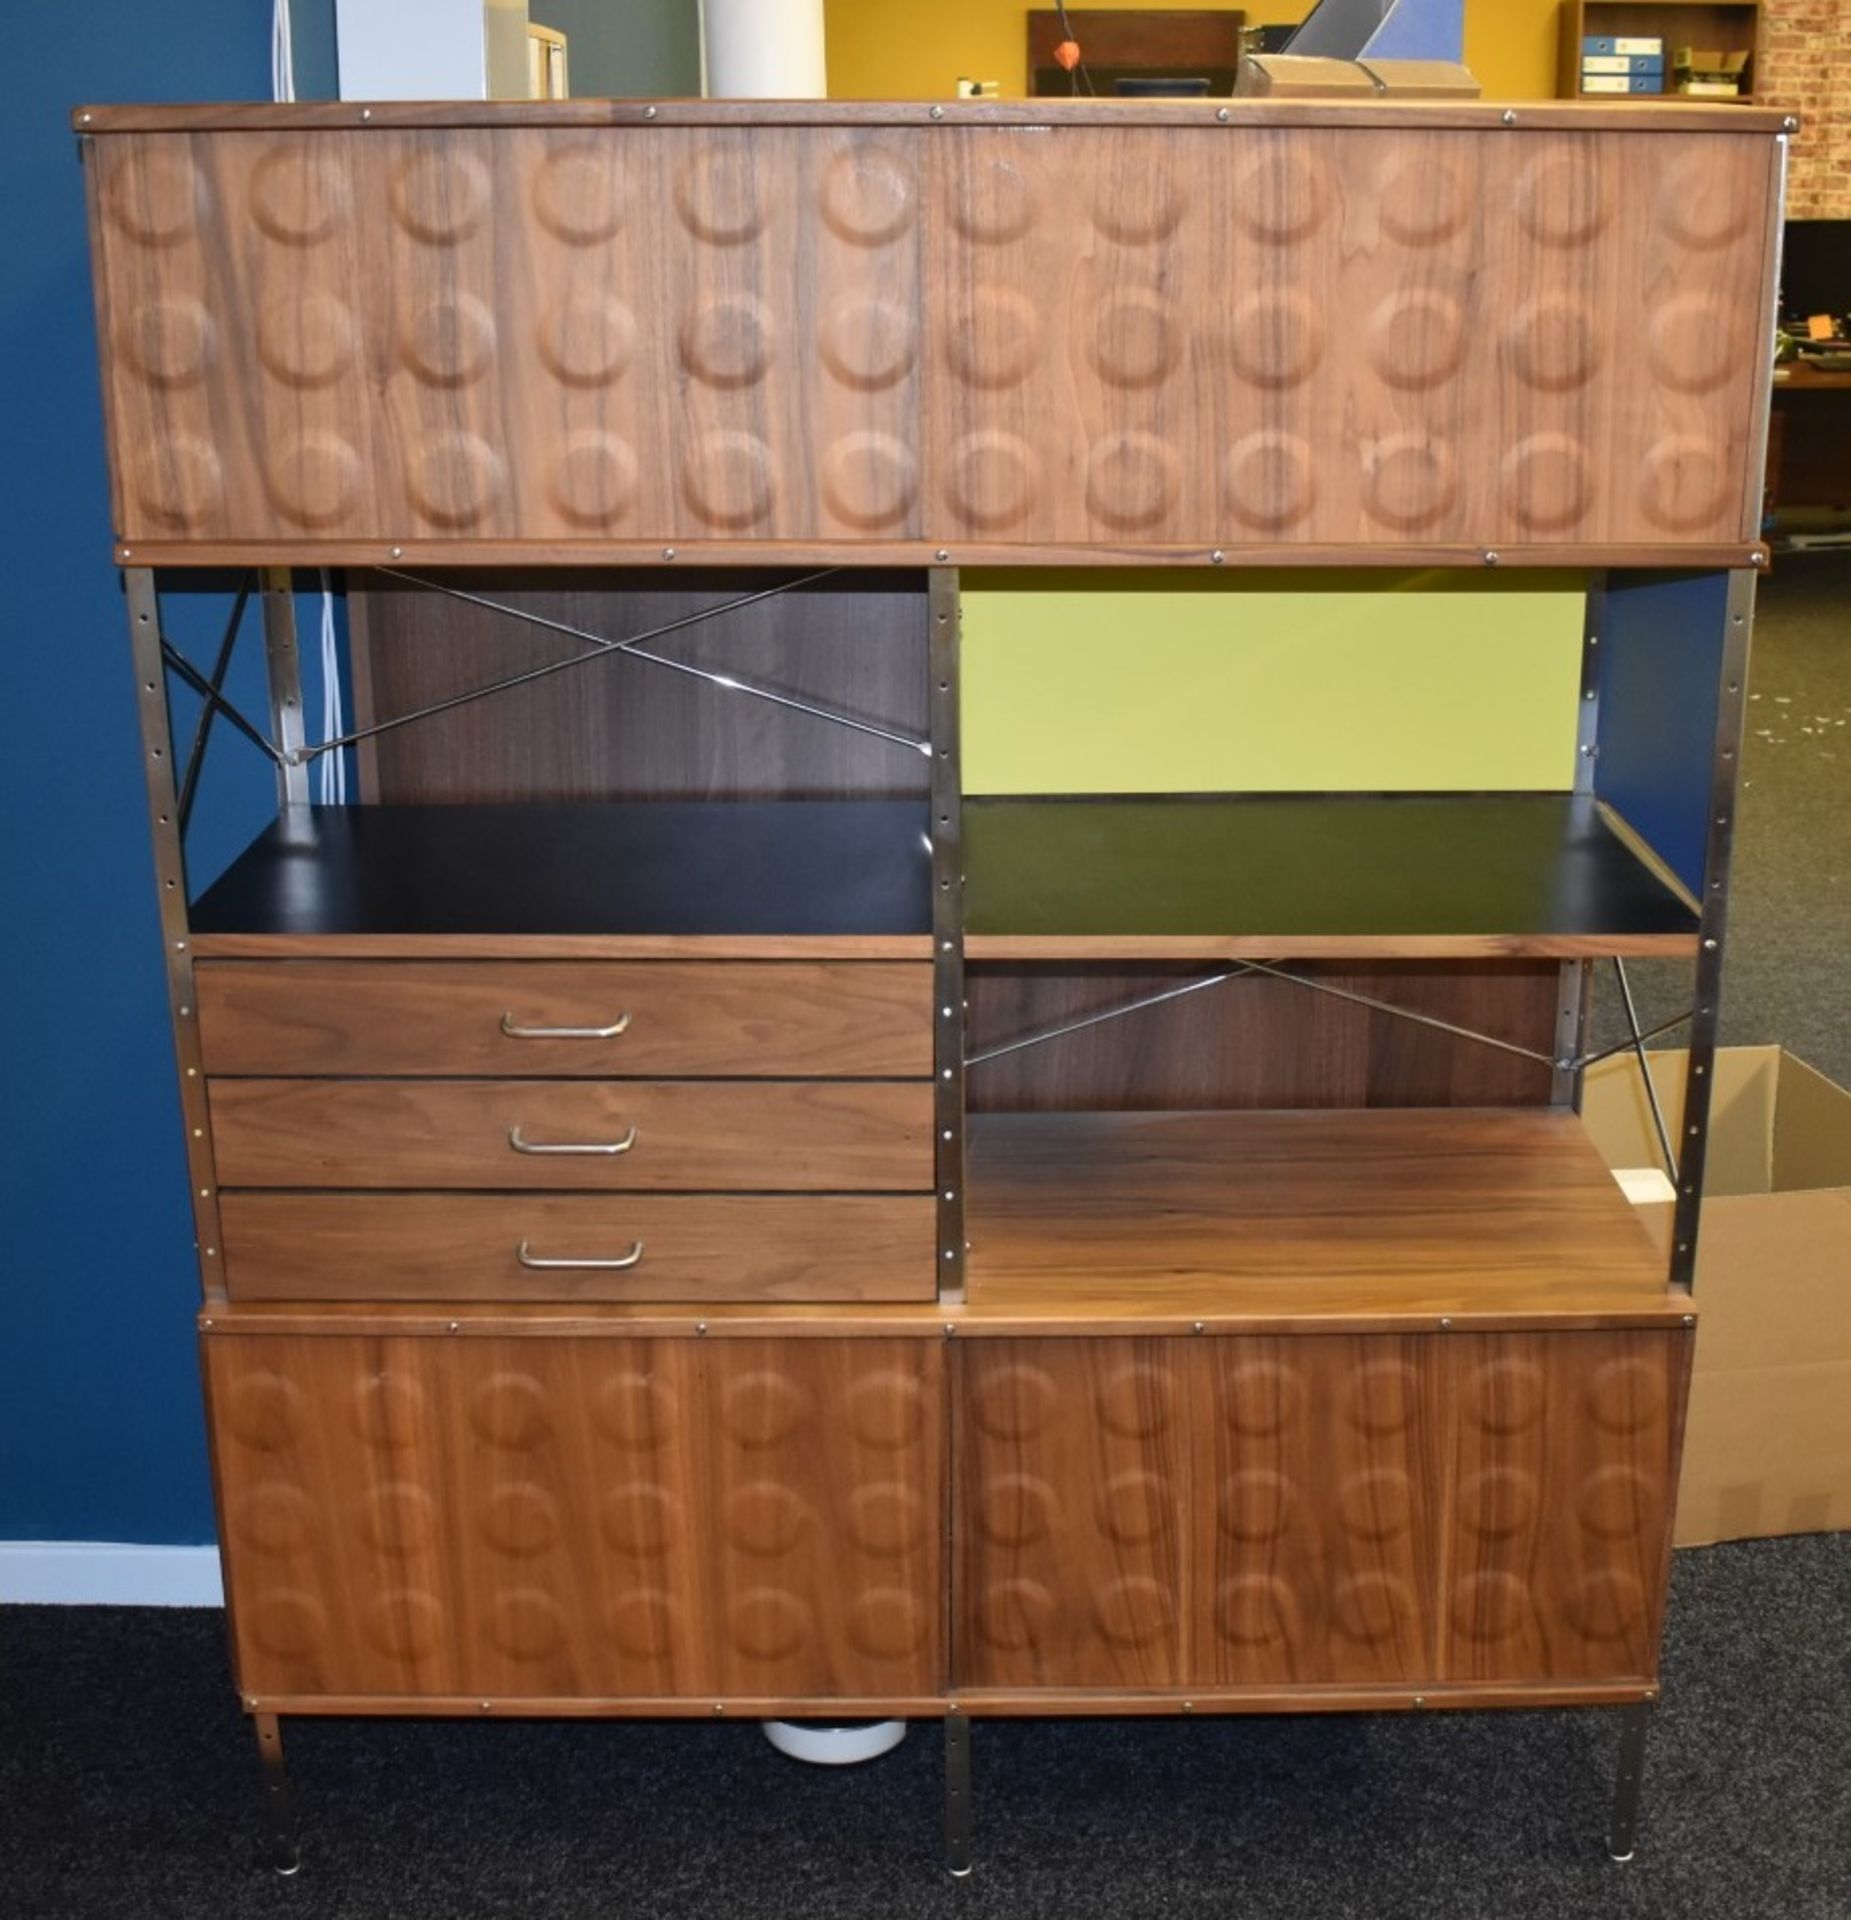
(1368,334)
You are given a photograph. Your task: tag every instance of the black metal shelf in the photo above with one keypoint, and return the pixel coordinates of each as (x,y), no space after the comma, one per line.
(1527,873)
(790,867)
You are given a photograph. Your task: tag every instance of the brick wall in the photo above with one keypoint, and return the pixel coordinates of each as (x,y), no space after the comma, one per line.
(1805,66)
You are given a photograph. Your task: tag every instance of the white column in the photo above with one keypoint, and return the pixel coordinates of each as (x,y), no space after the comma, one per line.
(764,49)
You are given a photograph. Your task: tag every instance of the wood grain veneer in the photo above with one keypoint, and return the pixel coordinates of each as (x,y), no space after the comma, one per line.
(719,1018)
(474,334)
(463,1246)
(1265,1516)
(853,643)
(1341,1211)
(1255,1042)
(556,1522)
(1581,117)
(753,1135)
(1129,1312)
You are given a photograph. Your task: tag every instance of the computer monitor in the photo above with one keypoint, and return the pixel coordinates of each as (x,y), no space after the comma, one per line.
(1815,269)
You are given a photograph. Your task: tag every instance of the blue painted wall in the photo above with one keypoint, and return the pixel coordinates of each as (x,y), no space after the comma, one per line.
(100,1430)
(1661,648)
(101,1436)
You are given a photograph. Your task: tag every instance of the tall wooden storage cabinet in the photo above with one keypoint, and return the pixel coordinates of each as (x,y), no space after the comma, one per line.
(697,1216)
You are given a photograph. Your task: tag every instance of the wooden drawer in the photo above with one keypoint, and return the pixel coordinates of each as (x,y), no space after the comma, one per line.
(675,1135)
(466,1246)
(725,1018)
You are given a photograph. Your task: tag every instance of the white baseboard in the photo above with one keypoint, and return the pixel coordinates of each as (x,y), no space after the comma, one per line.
(104,1573)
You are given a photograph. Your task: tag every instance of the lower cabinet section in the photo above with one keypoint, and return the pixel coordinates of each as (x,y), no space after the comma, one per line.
(551,1519)
(635,1520)
(1319,1510)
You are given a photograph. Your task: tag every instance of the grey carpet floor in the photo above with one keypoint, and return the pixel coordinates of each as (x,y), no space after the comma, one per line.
(1789,958)
(128,1787)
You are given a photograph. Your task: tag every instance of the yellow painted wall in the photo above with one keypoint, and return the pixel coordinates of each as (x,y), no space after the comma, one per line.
(1269,682)
(917,49)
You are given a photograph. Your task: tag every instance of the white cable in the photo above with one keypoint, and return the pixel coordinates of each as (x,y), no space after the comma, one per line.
(332,774)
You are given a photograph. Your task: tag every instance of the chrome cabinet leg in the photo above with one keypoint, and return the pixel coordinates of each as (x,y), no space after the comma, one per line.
(1623,1830)
(957,1794)
(279,1801)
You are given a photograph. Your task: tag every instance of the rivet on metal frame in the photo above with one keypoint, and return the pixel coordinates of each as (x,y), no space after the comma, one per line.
(1510,116)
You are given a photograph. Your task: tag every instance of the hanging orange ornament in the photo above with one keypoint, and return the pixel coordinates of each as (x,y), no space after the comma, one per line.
(1067,55)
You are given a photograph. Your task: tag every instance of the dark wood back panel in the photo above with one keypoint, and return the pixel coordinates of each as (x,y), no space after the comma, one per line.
(1257,1042)
(613,728)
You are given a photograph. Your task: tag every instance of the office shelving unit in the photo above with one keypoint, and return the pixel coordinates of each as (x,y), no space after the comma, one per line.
(695,1217)
(1734,26)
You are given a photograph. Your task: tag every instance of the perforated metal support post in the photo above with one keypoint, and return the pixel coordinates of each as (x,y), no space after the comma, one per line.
(285,674)
(279,1801)
(957,1794)
(943,617)
(157,756)
(1623,1829)
(1693,1141)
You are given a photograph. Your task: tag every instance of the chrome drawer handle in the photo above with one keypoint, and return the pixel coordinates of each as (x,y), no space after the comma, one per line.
(521,1144)
(524,1254)
(611,1032)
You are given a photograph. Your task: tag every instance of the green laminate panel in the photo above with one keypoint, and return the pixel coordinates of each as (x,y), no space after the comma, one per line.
(1275,682)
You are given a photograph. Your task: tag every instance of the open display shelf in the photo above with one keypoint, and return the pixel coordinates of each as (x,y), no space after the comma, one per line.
(838,868)
(699,1216)
(1432,1211)
(1310,875)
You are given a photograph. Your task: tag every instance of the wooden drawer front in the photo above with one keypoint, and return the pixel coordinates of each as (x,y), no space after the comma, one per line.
(592,1519)
(464,1246)
(677,1135)
(729,1019)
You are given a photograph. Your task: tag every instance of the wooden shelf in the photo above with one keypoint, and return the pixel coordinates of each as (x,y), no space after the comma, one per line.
(1732,25)
(772,871)
(1443,1212)
(1310,876)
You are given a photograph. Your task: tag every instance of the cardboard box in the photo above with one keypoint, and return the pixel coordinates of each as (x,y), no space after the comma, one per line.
(1295,76)
(1768,1447)
(1422,79)
(1713,63)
